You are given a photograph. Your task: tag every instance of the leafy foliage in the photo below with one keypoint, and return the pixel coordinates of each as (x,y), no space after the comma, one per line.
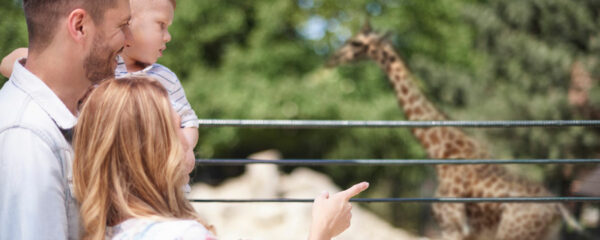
(13,30)
(476,60)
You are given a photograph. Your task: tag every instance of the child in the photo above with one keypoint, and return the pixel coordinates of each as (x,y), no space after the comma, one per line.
(149,24)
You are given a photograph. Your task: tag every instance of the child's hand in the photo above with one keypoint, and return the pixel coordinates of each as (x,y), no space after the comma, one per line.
(6,66)
(331,214)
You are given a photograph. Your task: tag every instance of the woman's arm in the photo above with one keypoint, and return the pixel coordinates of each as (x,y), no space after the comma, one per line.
(331,215)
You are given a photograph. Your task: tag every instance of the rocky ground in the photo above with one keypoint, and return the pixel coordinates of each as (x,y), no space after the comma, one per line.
(264,221)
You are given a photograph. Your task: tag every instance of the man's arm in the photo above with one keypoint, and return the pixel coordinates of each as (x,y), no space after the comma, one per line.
(6,66)
(32,188)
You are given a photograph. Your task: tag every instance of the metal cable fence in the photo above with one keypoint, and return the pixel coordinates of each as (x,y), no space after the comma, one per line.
(413,200)
(323,162)
(392,124)
(310,124)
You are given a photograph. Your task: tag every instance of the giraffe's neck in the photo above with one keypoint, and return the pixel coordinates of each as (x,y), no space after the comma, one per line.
(415,105)
(440,142)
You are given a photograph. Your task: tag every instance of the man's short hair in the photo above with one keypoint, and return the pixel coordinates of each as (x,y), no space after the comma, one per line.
(42,17)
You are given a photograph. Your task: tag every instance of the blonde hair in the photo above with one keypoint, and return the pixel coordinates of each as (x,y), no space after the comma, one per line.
(128,157)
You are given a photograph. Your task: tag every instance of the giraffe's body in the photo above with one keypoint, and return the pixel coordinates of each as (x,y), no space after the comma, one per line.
(458,220)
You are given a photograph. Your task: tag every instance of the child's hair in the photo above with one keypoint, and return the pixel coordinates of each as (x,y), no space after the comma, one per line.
(128,157)
(173,2)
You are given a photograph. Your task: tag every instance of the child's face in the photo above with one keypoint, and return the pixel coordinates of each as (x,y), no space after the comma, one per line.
(149,30)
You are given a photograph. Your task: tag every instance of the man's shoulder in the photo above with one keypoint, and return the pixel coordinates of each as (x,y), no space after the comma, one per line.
(10,92)
(19,111)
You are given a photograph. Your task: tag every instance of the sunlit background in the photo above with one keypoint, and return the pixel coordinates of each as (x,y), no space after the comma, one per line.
(474,59)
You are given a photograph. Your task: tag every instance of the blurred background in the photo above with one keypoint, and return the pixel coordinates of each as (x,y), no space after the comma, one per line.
(474,59)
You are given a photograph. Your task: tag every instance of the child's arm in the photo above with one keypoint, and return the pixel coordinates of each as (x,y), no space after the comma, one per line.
(191,135)
(6,66)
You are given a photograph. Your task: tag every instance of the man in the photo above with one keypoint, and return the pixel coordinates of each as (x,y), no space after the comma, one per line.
(72,45)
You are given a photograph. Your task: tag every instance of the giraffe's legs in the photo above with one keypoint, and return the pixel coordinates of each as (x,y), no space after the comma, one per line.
(523,221)
(452,219)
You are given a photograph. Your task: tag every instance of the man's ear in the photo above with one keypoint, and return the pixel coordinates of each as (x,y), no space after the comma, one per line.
(78,24)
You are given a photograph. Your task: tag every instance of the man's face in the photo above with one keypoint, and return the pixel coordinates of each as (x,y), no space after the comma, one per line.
(109,39)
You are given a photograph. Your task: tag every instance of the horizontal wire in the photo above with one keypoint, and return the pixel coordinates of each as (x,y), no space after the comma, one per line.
(321,162)
(392,124)
(412,200)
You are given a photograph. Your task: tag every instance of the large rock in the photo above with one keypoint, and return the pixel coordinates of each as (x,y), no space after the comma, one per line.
(280,220)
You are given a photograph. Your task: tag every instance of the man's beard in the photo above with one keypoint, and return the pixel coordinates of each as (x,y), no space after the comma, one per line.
(100,63)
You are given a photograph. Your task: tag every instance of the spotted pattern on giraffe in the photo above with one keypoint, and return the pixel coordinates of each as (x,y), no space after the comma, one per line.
(518,221)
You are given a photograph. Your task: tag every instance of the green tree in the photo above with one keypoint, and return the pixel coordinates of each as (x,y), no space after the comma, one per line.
(474,59)
(13,30)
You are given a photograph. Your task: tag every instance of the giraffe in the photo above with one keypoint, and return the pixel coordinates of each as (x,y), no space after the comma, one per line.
(457,220)
(581,83)
(579,88)
(584,181)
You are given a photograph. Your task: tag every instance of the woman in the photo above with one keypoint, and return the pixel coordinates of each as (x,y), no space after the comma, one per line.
(130,167)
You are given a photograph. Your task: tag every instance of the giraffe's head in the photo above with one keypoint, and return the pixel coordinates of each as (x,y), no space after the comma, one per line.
(357,47)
